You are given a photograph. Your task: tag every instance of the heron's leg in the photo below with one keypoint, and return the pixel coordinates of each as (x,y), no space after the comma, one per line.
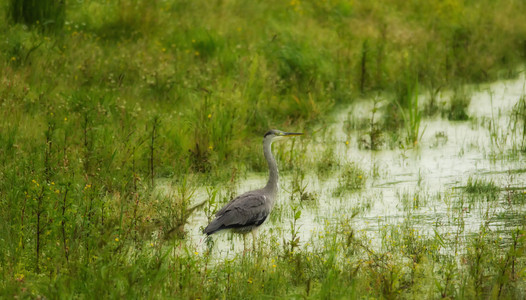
(254,240)
(244,243)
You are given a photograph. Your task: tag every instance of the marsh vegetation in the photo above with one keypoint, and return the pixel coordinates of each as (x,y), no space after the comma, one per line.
(125,125)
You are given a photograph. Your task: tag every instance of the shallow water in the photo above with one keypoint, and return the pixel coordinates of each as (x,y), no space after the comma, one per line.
(436,172)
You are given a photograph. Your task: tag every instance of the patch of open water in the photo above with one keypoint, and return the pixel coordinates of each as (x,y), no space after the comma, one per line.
(437,171)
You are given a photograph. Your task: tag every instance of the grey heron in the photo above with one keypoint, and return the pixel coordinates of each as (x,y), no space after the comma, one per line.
(249,210)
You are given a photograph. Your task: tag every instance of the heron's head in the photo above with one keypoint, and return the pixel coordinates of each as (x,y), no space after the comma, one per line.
(276,135)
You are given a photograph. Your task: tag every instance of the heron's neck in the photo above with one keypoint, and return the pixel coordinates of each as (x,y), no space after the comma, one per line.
(272,184)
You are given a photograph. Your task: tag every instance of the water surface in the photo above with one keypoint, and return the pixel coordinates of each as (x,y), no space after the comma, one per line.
(424,185)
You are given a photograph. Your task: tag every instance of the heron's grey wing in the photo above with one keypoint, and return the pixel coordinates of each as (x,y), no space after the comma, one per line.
(250,209)
(241,198)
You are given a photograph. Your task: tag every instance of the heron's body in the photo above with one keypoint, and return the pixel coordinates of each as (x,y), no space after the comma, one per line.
(242,214)
(251,209)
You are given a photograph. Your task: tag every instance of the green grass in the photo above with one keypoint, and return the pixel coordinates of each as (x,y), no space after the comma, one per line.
(352,178)
(481,186)
(458,106)
(518,121)
(120,95)
(411,115)
(46,15)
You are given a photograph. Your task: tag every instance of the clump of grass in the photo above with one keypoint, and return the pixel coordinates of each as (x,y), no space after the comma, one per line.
(518,120)
(327,163)
(175,208)
(481,186)
(516,196)
(291,244)
(128,19)
(412,201)
(373,138)
(431,107)
(458,105)
(440,138)
(411,114)
(45,14)
(300,187)
(352,178)
(297,62)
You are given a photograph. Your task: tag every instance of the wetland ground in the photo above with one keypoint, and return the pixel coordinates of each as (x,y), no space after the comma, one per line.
(124,126)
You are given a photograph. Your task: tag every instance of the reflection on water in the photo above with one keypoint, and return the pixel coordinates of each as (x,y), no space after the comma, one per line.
(423,185)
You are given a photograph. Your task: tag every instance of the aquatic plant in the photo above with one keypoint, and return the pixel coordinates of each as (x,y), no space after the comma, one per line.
(351,178)
(481,186)
(458,105)
(327,163)
(413,201)
(374,132)
(518,118)
(175,208)
(412,116)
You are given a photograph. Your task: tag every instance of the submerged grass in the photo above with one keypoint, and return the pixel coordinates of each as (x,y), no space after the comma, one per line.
(122,94)
(518,121)
(459,102)
(351,178)
(412,115)
(481,186)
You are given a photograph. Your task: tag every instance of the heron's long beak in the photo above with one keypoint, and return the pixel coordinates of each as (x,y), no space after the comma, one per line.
(292,133)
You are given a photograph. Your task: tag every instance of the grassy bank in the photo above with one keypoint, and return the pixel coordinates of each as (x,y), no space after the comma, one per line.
(123,93)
